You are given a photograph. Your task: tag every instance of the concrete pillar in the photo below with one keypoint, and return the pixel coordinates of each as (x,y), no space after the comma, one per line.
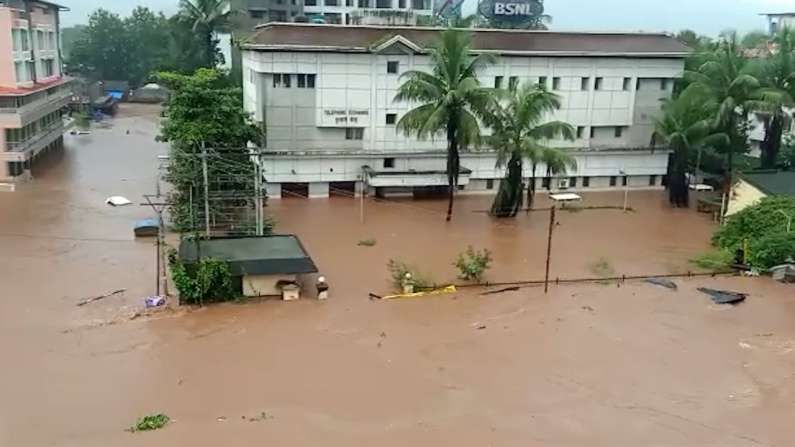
(274,190)
(318,190)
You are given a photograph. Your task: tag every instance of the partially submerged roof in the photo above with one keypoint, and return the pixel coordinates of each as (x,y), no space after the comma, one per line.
(282,254)
(364,39)
(772,182)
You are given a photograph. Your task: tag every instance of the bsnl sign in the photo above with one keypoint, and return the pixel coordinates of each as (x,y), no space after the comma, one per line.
(511,11)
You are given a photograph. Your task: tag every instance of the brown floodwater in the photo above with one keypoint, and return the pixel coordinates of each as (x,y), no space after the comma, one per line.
(584,365)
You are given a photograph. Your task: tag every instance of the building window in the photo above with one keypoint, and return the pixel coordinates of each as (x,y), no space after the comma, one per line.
(613,180)
(585,83)
(277,80)
(580,131)
(256,14)
(383,4)
(310,2)
(498,81)
(286,78)
(627,84)
(542,81)
(391,118)
(331,2)
(546,182)
(402,4)
(389,163)
(619,130)
(593,131)
(420,4)
(513,82)
(664,84)
(40,39)
(392,67)
(556,83)
(573,182)
(652,180)
(637,84)
(586,182)
(300,80)
(599,83)
(490,183)
(49,67)
(19,70)
(310,81)
(624,180)
(349,3)
(354,133)
(278,16)
(25,39)
(364,3)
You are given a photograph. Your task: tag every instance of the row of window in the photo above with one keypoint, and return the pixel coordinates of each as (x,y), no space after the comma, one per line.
(585,83)
(24,69)
(285,80)
(546,182)
(377,4)
(24,134)
(45,40)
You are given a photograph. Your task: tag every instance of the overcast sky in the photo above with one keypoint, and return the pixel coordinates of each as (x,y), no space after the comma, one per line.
(704,16)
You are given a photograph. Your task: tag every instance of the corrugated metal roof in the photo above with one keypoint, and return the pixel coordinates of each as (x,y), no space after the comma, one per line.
(338,38)
(278,254)
(772,182)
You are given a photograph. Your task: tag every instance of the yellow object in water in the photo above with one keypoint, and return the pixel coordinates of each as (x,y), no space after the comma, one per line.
(443,291)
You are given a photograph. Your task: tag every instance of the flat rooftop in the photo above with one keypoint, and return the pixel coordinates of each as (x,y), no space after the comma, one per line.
(278,254)
(365,39)
(37,87)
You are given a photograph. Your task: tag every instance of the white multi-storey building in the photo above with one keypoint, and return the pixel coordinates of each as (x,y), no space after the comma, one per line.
(33,91)
(348,12)
(325,96)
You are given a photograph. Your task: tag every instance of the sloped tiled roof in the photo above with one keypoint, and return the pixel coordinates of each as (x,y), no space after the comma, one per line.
(338,38)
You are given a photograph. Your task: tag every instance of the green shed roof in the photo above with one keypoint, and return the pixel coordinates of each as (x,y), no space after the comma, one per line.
(772,182)
(282,254)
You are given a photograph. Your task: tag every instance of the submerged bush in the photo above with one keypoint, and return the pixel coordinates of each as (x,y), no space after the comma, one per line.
(717,260)
(472,265)
(397,274)
(150,422)
(207,280)
(772,250)
(755,222)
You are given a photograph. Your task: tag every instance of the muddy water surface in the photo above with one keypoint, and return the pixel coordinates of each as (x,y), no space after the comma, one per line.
(586,365)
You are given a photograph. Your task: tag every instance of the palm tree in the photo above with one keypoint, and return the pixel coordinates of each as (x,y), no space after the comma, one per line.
(450,100)
(518,133)
(725,80)
(207,18)
(777,77)
(685,124)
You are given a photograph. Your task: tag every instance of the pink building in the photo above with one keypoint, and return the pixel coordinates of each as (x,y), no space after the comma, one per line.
(33,90)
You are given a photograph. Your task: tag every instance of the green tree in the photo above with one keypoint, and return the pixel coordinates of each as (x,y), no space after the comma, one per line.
(450,100)
(518,132)
(777,77)
(148,37)
(103,52)
(724,79)
(204,111)
(755,39)
(69,36)
(207,18)
(685,125)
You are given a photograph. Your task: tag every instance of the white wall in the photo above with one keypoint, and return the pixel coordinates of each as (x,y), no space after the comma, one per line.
(361,81)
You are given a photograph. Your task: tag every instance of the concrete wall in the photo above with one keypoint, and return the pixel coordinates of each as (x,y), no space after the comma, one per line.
(360,83)
(743,195)
(7,75)
(264,285)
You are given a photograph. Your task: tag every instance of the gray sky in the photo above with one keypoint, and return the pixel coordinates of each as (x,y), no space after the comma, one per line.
(704,16)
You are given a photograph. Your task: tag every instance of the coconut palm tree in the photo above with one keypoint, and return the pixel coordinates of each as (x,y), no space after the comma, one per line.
(724,78)
(518,133)
(685,125)
(207,18)
(450,100)
(776,75)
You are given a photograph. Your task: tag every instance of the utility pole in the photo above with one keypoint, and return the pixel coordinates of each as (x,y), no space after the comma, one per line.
(160,276)
(258,195)
(206,192)
(549,247)
(361,200)
(626,189)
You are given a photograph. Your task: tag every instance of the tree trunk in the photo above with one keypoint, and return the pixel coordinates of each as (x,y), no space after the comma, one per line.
(453,165)
(770,146)
(509,197)
(678,189)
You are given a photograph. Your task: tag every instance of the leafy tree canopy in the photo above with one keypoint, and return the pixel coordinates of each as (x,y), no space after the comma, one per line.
(756,222)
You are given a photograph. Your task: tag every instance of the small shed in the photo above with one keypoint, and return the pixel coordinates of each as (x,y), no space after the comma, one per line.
(150,93)
(753,186)
(261,264)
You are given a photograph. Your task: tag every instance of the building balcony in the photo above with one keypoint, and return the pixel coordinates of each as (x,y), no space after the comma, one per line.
(15,117)
(25,150)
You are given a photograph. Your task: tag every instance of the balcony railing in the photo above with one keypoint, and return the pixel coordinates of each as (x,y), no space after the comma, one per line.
(23,146)
(60,96)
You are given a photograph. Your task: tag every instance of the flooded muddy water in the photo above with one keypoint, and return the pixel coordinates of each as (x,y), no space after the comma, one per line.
(583,365)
